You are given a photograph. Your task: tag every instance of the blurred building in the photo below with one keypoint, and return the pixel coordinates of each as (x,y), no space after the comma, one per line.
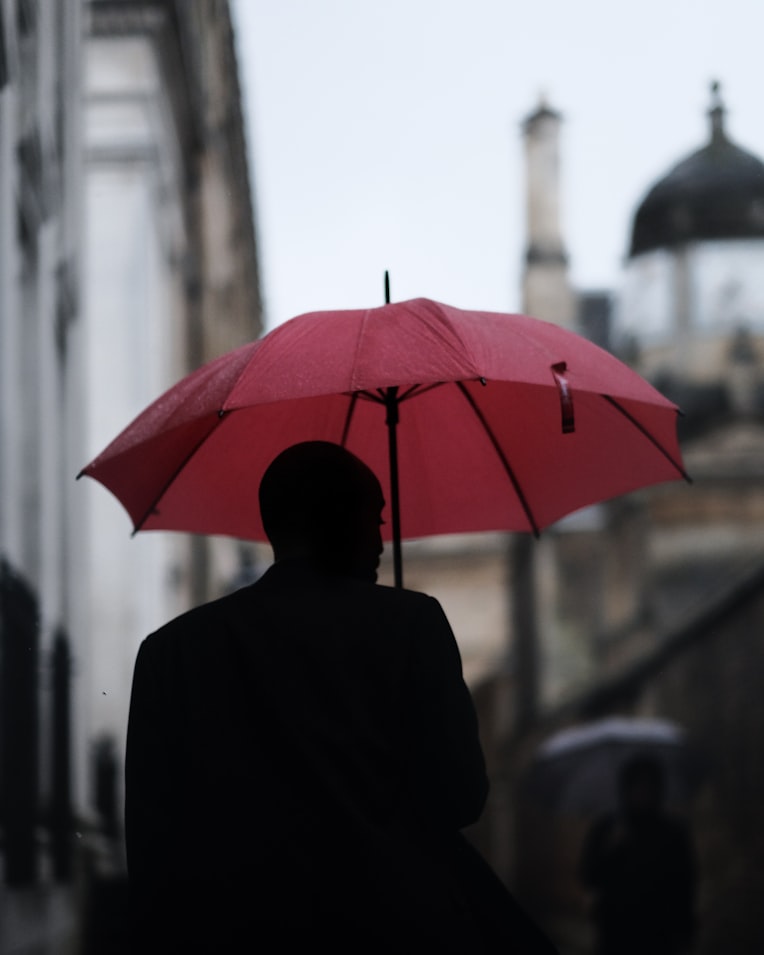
(40,296)
(651,605)
(648,605)
(127,257)
(689,316)
(691,310)
(170,281)
(547,290)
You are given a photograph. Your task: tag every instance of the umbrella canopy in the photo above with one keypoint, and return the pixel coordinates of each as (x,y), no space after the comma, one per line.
(494,422)
(576,770)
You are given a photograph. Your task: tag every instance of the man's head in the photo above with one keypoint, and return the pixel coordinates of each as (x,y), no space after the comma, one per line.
(320,502)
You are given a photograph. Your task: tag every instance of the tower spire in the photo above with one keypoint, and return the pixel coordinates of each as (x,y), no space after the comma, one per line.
(546,289)
(716,112)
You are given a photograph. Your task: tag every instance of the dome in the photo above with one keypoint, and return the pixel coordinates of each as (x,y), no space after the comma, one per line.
(715,193)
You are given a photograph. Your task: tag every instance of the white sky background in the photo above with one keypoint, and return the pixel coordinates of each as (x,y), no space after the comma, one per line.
(386,135)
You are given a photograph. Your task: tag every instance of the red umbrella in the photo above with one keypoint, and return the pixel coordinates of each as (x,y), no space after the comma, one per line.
(494,422)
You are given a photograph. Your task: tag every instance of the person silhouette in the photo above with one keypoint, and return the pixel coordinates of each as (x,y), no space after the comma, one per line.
(640,865)
(303,753)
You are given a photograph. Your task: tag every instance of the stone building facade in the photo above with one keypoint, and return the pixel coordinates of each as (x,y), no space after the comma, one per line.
(127,257)
(171,281)
(40,296)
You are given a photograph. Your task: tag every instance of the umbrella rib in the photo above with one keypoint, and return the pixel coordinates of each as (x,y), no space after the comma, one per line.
(416,390)
(220,415)
(502,457)
(367,396)
(651,438)
(409,393)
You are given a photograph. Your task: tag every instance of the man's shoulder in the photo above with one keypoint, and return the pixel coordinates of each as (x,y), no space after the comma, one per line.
(401,595)
(288,578)
(195,620)
(365,600)
(381,597)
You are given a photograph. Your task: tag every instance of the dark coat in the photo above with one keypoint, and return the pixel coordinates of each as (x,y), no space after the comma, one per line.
(301,756)
(643,874)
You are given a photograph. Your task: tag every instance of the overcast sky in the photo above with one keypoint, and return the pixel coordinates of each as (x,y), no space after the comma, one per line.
(386,135)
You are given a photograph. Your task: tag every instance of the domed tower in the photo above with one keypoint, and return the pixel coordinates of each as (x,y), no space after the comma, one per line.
(691,311)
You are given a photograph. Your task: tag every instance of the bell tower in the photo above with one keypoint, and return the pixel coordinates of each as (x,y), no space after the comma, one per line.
(547,293)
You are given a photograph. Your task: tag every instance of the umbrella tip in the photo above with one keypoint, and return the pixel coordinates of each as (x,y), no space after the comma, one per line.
(387,287)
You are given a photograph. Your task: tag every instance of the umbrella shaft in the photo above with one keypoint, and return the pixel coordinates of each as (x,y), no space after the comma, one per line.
(391,403)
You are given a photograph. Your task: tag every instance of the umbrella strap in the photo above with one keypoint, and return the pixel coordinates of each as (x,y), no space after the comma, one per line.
(566,398)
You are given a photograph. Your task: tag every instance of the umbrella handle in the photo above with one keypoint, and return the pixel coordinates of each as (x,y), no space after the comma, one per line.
(391,404)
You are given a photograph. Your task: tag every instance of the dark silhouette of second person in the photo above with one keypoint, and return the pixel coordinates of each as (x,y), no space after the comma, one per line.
(303,753)
(640,864)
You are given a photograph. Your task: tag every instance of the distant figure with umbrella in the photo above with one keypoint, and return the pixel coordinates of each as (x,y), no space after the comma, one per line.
(639,863)
(303,753)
